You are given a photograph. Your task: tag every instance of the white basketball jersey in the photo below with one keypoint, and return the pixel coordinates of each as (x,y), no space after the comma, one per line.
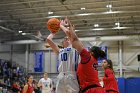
(46,85)
(68,59)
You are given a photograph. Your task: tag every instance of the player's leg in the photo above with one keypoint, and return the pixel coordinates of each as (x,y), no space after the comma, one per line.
(72,83)
(60,85)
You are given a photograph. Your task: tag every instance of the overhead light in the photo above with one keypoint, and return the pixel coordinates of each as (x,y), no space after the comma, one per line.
(19,31)
(84,14)
(54,16)
(117,24)
(112,12)
(77,30)
(23,33)
(96,25)
(109,6)
(121,27)
(49,13)
(95,29)
(83,8)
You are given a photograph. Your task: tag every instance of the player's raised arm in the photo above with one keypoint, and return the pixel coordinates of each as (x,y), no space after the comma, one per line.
(54,47)
(68,28)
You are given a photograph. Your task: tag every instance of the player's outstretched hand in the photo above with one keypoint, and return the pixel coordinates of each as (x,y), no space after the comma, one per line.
(51,36)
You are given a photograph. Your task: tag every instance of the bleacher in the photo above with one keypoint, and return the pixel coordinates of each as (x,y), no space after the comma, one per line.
(9,73)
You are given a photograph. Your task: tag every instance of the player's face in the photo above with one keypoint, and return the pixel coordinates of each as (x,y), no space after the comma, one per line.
(45,75)
(105,64)
(30,79)
(66,42)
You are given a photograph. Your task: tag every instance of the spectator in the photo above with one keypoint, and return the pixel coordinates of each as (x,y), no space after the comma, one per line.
(45,84)
(28,88)
(16,87)
(36,88)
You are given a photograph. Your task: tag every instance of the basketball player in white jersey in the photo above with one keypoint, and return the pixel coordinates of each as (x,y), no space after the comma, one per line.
(67,79)
(45,84)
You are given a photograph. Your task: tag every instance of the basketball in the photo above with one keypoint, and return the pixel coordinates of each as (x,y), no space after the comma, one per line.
(53,25)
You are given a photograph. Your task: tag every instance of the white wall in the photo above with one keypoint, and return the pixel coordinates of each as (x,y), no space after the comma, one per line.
(19,57)
(5,52)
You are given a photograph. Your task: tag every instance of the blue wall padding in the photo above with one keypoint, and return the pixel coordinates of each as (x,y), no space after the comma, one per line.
(121,84)
(133,85)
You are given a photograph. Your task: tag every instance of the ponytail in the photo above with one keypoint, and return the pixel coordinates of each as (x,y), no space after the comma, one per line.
(110,64)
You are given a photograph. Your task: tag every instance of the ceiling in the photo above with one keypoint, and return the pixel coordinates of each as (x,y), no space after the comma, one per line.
(90,17)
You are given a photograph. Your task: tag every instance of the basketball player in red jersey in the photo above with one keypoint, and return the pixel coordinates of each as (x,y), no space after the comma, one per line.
(87,68)
(28,88)
(110,83)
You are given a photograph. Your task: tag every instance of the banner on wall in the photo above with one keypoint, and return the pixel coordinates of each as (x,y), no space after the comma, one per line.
(39,61)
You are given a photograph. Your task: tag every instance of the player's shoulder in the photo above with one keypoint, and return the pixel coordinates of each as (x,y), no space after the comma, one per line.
(108,70)
(84,51)
(41,79)
(49,79)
